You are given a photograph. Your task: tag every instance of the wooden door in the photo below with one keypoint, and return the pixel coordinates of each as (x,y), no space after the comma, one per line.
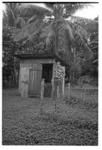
(35,82)
(23,81)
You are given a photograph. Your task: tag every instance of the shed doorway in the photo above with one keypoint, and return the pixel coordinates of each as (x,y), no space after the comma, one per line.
(47,71)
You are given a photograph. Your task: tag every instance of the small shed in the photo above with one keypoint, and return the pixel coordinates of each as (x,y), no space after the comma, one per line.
(34,68)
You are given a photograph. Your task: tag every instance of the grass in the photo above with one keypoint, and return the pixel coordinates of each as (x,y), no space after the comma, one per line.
(74,122)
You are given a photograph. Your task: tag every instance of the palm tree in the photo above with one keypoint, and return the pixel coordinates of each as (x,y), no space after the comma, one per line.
(61,35)
(12,15)
(56,28)
(11,22)
(64,37)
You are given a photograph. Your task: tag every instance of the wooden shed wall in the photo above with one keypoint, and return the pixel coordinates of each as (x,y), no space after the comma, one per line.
(25,67)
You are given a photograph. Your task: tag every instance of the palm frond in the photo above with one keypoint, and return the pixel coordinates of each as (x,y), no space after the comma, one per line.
(12,10)
(88,24)
(32,19)
(48,34)
(20,22)
(72,7)
(46,30)
(68,8)
(50,5)
(28,30)
(10,16)
(35,32)
(79,30)
(31,10)
(5,19)
(69,32)
(81,40)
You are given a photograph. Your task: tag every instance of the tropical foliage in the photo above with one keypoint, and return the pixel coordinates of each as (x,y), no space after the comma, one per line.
(10,63)
(54,29)
(59,34)
(85,66)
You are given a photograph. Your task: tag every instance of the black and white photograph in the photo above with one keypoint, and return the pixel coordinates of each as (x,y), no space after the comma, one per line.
(50,73)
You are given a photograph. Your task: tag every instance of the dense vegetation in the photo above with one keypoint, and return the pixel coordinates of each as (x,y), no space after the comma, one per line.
(73,119)
(41,29)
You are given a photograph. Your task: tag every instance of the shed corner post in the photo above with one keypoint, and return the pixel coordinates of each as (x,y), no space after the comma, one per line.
(52,81)
(42,88)
(63,83)
(52,92)
(42,95)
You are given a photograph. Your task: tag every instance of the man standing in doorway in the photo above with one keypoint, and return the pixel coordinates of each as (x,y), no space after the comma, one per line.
(58,80)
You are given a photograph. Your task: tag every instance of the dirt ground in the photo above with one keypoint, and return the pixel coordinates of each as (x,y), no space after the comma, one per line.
(75,121)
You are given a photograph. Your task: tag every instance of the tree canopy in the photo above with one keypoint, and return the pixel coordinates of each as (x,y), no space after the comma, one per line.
(59,32)
(54,28)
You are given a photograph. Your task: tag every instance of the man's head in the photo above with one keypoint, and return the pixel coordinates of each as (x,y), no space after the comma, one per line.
(58,63)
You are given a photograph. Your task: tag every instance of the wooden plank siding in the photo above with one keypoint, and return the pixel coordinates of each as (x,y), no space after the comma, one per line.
(31,75)
(23,82)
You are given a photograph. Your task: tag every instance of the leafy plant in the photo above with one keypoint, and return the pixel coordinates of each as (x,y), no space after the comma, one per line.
(59,33)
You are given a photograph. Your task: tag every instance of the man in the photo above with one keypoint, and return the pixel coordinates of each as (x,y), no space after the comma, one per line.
(58,80)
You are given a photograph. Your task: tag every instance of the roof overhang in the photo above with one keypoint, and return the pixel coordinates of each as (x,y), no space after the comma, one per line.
(32,56)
